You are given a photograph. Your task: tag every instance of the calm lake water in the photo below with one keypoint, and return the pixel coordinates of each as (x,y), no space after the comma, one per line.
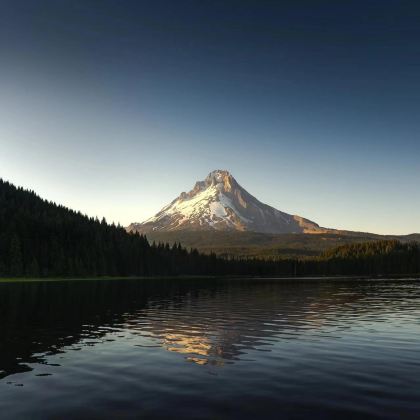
(210,349)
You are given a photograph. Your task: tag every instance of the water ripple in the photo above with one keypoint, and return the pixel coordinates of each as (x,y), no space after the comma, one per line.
(207,349)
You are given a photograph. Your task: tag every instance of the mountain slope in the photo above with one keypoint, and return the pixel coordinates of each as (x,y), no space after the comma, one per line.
(220,203)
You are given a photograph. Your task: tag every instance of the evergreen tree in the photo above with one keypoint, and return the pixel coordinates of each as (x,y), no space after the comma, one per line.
(16,262)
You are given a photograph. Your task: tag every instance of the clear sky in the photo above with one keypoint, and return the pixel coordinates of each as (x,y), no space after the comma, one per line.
(115,107)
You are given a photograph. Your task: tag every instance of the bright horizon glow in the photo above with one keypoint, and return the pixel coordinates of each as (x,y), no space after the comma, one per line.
(116,112)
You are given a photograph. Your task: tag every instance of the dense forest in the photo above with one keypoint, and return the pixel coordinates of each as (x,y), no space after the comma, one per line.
(247,244)
(39,238)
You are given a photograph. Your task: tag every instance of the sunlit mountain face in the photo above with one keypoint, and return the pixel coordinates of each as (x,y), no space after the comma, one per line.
(219,203)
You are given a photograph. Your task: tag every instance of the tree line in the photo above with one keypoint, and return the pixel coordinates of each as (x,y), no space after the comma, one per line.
(39,238)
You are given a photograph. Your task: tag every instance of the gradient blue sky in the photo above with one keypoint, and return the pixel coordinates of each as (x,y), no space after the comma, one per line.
(115,107)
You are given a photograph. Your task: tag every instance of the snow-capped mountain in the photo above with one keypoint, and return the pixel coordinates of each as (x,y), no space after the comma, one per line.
(220,203)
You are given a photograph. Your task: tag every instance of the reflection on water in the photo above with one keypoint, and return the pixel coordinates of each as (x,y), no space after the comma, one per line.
(342,345)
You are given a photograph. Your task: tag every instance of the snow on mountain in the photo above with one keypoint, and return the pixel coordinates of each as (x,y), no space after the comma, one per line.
(220,203)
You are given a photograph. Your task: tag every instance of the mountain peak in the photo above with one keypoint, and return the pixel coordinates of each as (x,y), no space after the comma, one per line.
(220,178)
(220,203)
(219,175)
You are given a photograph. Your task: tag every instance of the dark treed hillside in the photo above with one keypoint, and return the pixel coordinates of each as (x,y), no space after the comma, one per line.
(370,258)
(40,238)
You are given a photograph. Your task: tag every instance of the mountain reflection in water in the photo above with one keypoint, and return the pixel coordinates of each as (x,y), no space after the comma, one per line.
(208,321)
(213,323)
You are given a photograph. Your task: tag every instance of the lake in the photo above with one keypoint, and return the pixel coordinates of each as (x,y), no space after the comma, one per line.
(210,349)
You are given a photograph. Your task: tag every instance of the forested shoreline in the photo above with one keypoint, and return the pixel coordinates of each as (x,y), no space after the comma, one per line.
(39,238)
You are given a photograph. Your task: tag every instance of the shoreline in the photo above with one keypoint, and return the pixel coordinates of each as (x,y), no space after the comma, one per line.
(289,278)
